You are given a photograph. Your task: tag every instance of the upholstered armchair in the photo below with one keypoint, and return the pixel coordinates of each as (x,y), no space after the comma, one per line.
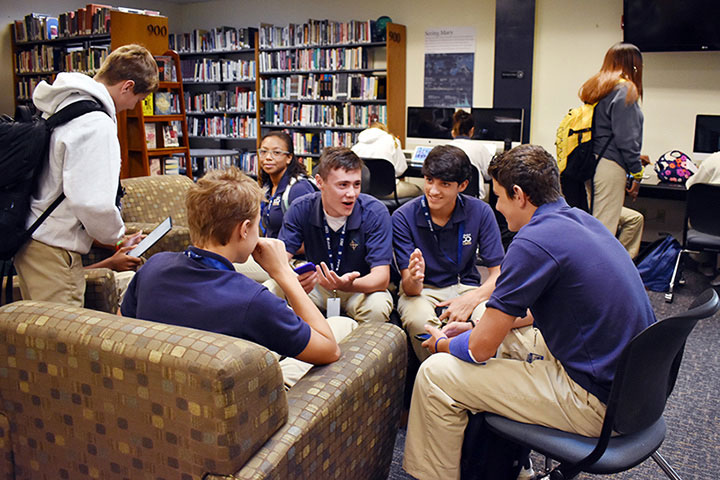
(87,394)
(150,200)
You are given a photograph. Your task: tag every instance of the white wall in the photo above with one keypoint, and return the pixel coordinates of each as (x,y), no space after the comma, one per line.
(11,10)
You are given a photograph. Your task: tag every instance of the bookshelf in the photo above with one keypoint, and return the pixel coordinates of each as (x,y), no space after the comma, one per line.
(219,75)
(157,128)
(325,81)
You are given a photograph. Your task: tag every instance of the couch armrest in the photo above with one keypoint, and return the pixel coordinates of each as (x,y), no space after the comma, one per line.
(101,292)
(176,240)
(344,416)
(85,390)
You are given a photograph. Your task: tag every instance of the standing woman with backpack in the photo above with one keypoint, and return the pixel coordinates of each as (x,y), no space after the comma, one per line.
(618,120)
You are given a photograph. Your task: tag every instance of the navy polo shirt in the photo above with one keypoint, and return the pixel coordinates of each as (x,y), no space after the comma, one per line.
(271,207)
(582,288)
(411,230)
(175,289)
(368,234)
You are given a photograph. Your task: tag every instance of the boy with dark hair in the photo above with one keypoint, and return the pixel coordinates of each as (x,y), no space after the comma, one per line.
(84,164)
(347,235)
(201,289)
(435,238)
(563,274)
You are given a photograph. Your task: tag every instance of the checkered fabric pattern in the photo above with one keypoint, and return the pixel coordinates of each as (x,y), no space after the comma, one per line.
(150,200)
(85,394)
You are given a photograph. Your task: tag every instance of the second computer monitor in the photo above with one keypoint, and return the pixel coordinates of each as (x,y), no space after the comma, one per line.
(498,124)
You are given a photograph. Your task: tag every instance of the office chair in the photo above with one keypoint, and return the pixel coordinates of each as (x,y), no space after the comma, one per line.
(382,184)
(644,378)
(701,230)
(473,188)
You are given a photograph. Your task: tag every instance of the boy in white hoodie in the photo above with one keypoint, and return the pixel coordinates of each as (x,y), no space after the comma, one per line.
(84,163)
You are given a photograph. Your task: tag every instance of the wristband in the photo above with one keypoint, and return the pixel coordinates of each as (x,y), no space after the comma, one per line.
(638,175)
(436,342)
(471,322)
(460,348)
(117,245)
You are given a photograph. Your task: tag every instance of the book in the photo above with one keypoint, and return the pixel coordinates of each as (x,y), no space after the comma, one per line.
(155,166)
(147,104)
(166,68)
(172,165)
(170,136)
(162,103)
(150,135)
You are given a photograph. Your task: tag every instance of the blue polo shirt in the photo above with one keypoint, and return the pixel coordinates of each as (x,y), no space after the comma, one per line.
(173,288)
(440,250)
(582,288)
(368,234)
(271,208)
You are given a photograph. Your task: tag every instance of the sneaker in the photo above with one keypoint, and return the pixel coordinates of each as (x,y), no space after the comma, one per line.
(526,472)
(715,282)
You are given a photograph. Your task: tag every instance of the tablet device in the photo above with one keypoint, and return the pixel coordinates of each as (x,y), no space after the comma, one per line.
(152,238)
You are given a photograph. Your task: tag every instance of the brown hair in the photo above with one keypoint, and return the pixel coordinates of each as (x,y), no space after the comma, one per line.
(462,123)
(622,62)
(337,157)
(130,62)
(219,202)
(531,168)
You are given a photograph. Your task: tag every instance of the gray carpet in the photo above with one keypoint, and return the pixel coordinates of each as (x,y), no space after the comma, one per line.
(692,444)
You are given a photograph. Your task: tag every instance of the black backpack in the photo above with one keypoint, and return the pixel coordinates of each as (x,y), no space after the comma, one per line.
(24,148)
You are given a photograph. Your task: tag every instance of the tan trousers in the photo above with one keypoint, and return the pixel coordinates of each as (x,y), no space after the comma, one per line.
(50,274)
(362,307)
(294,369)
(419,310)
(446,388)
(252,269)
(627,224)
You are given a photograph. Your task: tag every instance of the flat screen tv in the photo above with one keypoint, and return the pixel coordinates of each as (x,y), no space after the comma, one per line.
(430,122)
(672,25)
(707,136)
(498,124)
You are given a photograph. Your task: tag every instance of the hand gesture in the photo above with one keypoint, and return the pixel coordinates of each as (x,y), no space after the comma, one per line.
(132,240)
(122,262)
(330,280)
(459,308)
(270,254)
(435,334)
(417,266)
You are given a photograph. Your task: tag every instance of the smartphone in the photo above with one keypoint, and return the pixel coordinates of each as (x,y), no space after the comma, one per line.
(304,268)
(422,336)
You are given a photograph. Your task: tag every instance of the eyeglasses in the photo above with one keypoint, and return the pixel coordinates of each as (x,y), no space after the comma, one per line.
(276,154)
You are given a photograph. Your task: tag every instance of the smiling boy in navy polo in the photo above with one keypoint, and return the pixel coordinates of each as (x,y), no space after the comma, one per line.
(435,239)
(348,235)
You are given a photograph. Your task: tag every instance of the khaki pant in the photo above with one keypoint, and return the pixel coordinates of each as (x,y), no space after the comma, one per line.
(50,274)
(447,388)
(294,369)
(252,269)
(419,310)
(362,307)
(627,224)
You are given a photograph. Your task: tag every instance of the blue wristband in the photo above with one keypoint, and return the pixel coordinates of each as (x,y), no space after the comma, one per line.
(460,347)
(438,340)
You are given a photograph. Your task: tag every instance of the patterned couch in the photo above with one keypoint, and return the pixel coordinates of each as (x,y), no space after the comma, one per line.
(150,200)
(85,394)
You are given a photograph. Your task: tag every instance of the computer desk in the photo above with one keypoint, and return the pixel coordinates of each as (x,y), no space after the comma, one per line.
(663,206)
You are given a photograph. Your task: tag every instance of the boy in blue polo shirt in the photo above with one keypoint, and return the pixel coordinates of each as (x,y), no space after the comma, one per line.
(347,235)
(553,366)
(199,288)
(435,237)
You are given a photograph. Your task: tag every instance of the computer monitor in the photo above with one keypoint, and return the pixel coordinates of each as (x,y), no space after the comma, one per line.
(707,137)
(428,126)
(498,124)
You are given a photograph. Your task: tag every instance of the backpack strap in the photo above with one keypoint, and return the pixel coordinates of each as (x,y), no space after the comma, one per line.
(73,111)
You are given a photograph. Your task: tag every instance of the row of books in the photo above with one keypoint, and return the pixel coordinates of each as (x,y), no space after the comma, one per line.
(221,100)
(219,39)
(166,68)
(161,103)
(316,32)
(315,59)
(235,127)
(245,161)
(319,115)
(47,58)
(223,70)
(159,135)
(172,165)
(324,86)
(26,86)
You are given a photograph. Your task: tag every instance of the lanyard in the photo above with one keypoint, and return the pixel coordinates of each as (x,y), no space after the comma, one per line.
(265,212)
(210,262)
(334,267)
(461,231)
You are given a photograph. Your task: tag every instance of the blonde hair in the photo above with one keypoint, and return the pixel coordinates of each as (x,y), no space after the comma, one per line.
(623,62)
(218,203)
(130,62)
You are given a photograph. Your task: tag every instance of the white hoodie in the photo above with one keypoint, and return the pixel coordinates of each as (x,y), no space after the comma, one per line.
(377,143)
(84,163)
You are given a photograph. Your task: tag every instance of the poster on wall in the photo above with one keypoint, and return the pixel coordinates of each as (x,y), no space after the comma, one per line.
(449,66)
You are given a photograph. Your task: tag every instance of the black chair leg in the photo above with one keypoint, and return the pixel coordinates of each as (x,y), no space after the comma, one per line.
(665,466)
